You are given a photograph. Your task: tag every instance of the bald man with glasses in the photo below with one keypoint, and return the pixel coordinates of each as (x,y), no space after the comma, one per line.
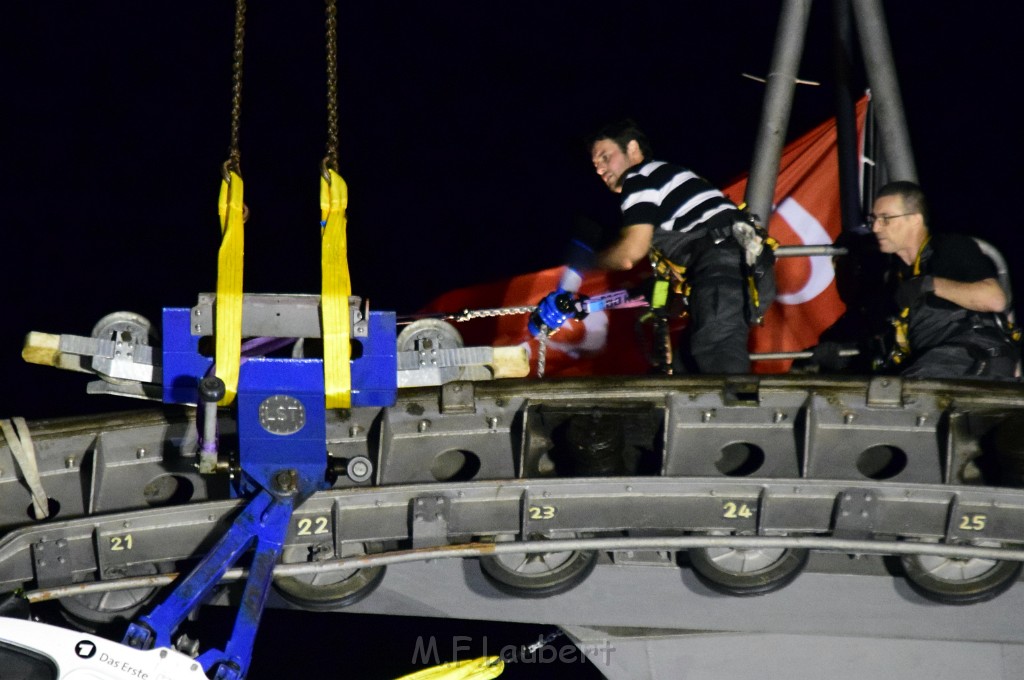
(950,306)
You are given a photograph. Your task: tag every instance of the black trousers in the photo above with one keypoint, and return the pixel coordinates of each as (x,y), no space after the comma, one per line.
(982,354)
(719,327)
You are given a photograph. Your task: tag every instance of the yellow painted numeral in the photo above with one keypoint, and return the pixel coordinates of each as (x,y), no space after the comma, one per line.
(313,526)
(973,522)
(121,542)
(542,511)
(732,510)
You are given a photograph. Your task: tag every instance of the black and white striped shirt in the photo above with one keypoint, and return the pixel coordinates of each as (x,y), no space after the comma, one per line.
(671,198)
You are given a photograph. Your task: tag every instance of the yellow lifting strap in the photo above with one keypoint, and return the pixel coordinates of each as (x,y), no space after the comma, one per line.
(337,287)
(228,348)
(484,668)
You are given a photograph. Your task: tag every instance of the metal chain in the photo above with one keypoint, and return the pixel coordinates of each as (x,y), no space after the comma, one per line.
(234,152)
(470,314)
(331,160)
(663,346)
(542,350)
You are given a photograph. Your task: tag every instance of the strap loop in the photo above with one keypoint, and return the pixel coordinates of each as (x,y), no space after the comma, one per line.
(336,289)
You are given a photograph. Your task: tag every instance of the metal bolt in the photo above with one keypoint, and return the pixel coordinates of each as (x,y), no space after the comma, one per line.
(778,417)
(849,418)
(359,469)
(69,462)
(140,452)
(286,481)
(707,416)
(355,431)
(424,425)
(921,420)
(492,422)
(62,543)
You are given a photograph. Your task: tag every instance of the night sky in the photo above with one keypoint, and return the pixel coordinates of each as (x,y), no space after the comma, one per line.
(461,128)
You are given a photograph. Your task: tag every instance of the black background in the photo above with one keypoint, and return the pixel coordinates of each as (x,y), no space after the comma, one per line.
(461,129)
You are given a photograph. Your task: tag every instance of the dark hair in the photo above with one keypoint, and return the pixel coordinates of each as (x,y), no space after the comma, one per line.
(622,132)
(913,197)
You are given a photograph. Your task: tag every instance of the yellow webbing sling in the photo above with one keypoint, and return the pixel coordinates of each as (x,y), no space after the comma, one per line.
(484,668)
(337,286)
(231,208)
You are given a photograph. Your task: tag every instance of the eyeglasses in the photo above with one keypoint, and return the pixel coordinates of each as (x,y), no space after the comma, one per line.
(884,219)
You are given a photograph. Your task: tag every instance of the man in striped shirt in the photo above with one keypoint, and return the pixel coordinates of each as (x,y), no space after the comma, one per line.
(670,208)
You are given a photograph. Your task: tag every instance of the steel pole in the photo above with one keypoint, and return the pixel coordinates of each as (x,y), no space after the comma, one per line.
(885,89)
(778,102)
(846,115)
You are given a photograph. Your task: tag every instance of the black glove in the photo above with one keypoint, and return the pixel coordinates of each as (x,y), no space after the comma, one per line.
(912,289)
(826,355)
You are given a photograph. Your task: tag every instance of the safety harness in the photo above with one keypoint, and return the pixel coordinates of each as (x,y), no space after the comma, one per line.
(670,288)
(902,350)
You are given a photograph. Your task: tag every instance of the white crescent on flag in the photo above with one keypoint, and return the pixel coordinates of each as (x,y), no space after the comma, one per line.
(811,233)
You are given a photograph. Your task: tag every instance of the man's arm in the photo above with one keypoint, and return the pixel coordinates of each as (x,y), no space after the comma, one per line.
(632,246)
(978,296)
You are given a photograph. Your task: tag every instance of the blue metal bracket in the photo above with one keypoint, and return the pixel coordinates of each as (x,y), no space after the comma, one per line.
(262,525)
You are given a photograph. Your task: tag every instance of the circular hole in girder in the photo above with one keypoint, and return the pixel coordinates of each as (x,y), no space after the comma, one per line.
(740,459)
(168,490)
(455,465)
(881,461)
(52,506)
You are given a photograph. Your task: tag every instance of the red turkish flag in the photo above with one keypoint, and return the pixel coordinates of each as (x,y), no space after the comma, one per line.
(807,212)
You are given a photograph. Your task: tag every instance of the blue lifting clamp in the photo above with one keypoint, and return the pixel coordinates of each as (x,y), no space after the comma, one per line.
(282,433)
(559,306)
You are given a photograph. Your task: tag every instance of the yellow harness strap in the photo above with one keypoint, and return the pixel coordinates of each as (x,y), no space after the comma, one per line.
(902,322)
(231,208)
(484,668)
(337,287)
